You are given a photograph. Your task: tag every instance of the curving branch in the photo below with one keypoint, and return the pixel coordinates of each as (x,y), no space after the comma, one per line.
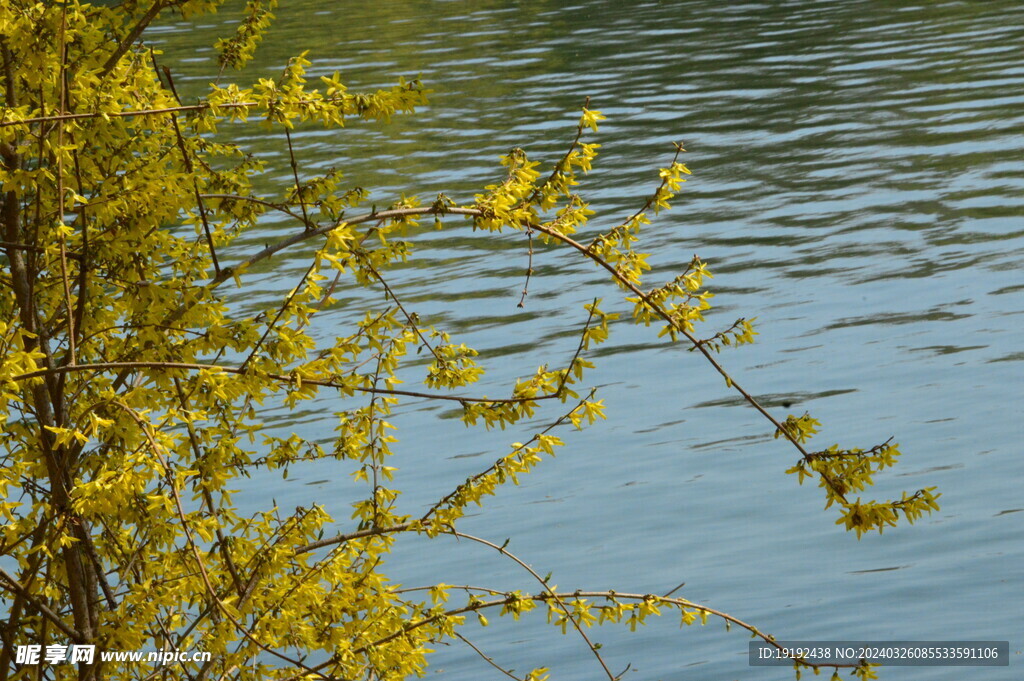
(283,378)
(504,598)
(300,237)
(548,590)
(487,658)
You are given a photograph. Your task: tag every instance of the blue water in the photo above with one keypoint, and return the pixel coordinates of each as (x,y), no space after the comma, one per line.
(858,187)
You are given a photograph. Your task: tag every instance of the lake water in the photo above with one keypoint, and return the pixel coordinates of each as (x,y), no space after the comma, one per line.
(858,187)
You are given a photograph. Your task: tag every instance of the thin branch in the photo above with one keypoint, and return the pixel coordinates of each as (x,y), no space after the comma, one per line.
(11,584)
(124,114)
(295,174)
(62,86)
(561,603)
(373,443)
(190,169)
(579,349)
(90,549)
(845,453)
(657,192)
(183,366)
(750,399)
(490,469)
(391,294)
(252,199)
(201,106)
(529,269)
(280,312)
(300,237)
(132,36)
(361,534)
(222,541)
(669,593)
(468,588)
(486,658)
(33,249)
(560,166)
(713,340)
(83,268)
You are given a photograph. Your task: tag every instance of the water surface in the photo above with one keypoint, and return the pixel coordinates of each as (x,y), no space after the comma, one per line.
(858,187)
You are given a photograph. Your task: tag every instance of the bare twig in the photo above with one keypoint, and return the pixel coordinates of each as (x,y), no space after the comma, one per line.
(391,294)
(712,340)
(486,657)
(529,268)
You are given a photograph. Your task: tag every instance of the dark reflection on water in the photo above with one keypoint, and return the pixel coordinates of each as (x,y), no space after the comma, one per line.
(858,187)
